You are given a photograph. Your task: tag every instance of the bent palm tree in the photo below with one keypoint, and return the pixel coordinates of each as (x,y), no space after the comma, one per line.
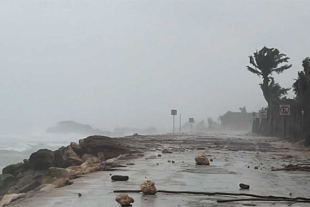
(264,63)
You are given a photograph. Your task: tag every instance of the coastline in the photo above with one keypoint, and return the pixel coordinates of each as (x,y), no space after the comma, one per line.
(231,157)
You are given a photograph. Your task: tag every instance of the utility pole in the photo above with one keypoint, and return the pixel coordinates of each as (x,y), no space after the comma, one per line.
(180,129)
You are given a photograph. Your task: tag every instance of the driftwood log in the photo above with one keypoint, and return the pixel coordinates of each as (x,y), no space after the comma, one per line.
(255,197)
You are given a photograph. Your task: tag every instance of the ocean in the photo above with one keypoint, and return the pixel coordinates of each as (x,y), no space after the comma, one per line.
(16,147)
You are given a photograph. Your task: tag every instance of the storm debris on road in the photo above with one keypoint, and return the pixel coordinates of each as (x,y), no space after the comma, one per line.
(244,186)
(124,200)
(148,188)
(202,159)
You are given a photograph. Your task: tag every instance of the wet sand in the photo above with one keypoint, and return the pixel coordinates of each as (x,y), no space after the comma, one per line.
(231,157)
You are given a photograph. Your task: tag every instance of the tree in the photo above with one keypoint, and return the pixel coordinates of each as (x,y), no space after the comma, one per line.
(264,63)
(276,91)
(297,88)
(243,109)
(302,91)
(210,122)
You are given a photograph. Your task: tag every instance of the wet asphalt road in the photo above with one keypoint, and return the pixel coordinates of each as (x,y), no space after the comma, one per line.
(229,168)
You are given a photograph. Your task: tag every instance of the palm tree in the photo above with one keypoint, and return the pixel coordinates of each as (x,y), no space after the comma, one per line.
(276,91)
(297,89)
(264,63)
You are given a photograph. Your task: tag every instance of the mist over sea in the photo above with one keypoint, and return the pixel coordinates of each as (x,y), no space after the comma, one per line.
(16,147)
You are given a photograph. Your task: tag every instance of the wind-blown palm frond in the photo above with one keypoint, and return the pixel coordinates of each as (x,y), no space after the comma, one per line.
(252,61)
(282,68)
(255,71)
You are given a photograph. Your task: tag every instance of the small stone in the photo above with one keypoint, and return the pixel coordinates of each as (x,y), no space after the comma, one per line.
(248,166)
(201,148)
(202,159)
(173,161)
(124,200)
(159,155)
(157,163)
(169,160)
(211,160)
(130,163)
(79,194)
(165,151)
(148,188)
(291,194)
(256,167)
(119,178)
(244,186)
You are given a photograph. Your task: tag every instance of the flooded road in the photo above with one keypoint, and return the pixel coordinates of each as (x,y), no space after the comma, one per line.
(234,159)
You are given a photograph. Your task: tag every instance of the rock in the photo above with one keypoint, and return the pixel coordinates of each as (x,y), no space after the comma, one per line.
(93,160)
(256,167)
(110,162)
(27,181)
(42,159)
(30,186)
(101,156)
(165,151)
(76,148)
(73,174)
(79,194)
(47,188)
(202,159)
(85,157)
(58,172)
(119,178)
(201,148)
(159,155)
(48,180)
(8,198)
(148,188)
(110,146)
(89,167)
(244,186)
(69,182)
(124,200)
(66,157)
(173,161)
(7,181)
(130,163)
(26,164)
(59,183)
(211,160)
(13,169)
(169,160)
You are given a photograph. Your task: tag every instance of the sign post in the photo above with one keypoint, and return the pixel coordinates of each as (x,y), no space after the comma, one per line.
(191,121)
(180,129)
(173,113)
(285,110)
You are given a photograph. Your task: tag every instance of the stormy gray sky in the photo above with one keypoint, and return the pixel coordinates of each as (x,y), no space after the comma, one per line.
(127,63)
